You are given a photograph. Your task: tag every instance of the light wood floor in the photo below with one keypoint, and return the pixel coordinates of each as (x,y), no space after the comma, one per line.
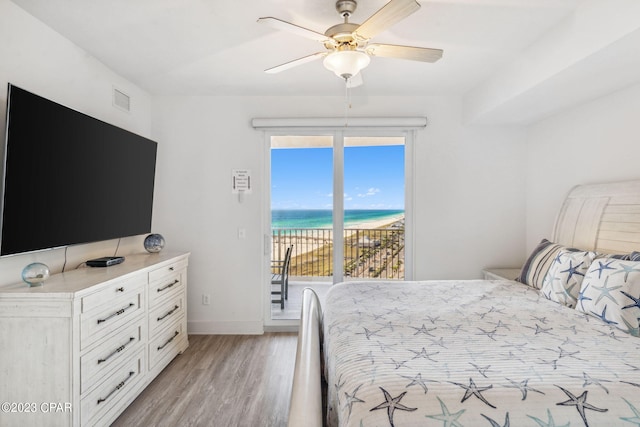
(220,381)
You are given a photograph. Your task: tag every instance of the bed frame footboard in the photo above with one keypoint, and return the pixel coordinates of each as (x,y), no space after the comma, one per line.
(306,408)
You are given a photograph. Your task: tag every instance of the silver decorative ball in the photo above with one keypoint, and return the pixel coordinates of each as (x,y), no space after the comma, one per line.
(154,243)
(35,274)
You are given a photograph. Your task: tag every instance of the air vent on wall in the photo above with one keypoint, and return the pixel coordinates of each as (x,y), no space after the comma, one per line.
(121,100)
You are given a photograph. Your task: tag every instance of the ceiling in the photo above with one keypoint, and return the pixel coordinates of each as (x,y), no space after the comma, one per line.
(215,47)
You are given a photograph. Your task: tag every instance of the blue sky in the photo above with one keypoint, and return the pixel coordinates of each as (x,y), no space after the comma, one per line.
(301,178)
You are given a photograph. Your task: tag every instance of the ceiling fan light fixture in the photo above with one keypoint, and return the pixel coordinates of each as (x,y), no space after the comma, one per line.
(346,63)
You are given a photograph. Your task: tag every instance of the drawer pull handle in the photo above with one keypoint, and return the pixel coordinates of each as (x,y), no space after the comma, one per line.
(171,268)
(117,313)
(168,286)
(116,351)
(118,387)
(169,313)
(169,340)
(121,289)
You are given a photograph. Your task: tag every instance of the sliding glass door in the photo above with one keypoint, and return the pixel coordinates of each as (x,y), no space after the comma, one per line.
(338,202)
(302,204)
(374,208)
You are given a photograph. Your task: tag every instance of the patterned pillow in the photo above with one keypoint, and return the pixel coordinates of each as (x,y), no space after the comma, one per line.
(537,265)
(616,256)
(564,279)
(634,256)
(611,292)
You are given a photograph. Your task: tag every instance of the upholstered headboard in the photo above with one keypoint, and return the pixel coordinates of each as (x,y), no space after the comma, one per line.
(601,217)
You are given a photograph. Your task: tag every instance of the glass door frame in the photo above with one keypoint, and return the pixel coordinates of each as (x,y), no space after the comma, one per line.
(338,134)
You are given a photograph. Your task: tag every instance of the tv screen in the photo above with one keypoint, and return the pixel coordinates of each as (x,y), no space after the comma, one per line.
(69,178)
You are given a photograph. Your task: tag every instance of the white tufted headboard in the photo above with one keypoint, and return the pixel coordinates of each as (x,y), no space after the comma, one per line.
(601,217)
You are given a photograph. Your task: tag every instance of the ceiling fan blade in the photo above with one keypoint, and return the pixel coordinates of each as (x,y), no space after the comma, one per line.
(404,52)
(355,81)
(279,24)
(390,14)
(295,63)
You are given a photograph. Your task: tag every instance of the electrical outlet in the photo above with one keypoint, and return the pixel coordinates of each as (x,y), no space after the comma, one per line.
(242,233)
(206,299)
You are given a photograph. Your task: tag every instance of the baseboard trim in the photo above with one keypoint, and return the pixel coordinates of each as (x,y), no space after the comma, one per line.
(281,328)
(225,328)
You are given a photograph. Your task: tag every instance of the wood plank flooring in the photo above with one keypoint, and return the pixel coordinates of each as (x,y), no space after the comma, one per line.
(220,381)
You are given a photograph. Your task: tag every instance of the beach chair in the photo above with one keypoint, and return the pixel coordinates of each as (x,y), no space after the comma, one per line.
(281,277)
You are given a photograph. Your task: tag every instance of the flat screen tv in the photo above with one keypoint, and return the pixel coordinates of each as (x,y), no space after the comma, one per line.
(69,178)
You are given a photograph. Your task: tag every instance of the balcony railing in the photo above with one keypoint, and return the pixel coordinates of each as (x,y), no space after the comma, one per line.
(368,253)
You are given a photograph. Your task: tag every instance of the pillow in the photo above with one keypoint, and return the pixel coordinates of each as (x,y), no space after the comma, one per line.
(611,292)
(537,265)
(633,256)
(564,278)
(616,256)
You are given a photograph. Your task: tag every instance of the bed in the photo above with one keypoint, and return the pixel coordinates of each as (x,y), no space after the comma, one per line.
(560,348)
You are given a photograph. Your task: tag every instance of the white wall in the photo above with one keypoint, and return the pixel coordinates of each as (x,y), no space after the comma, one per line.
(469,206)
(596,142)
(591,53)
(38,59)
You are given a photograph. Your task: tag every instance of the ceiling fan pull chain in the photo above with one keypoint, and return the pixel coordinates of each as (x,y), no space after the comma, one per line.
(347,102)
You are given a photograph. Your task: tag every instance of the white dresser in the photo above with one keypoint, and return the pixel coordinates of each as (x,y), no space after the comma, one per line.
(78,350)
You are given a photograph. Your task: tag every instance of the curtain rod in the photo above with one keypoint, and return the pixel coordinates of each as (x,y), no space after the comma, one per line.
(405,123)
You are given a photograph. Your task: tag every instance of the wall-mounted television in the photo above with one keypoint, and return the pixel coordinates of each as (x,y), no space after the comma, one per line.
(69,178)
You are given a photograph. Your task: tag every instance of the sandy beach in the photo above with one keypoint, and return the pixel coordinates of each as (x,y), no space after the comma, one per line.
(383,223)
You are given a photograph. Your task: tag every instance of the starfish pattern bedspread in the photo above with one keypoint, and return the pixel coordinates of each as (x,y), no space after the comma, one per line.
(473,353)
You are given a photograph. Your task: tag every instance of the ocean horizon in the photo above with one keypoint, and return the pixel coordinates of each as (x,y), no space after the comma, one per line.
(323,218)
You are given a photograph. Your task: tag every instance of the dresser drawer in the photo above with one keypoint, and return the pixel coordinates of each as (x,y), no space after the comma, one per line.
(114,290)
(119,347)
(121,383)
(165,314)
(167,270)
(98,324)
(166,287)
(166,343)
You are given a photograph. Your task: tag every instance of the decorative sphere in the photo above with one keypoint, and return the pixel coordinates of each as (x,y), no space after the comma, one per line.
(35,274)
(154,243)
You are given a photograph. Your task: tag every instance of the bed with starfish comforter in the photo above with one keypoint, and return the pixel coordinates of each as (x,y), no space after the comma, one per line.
(477,353)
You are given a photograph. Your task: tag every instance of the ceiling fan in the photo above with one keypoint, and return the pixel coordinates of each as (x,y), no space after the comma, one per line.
(347,45)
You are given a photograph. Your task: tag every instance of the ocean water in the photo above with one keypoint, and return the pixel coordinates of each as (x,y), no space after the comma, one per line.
(319,218)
